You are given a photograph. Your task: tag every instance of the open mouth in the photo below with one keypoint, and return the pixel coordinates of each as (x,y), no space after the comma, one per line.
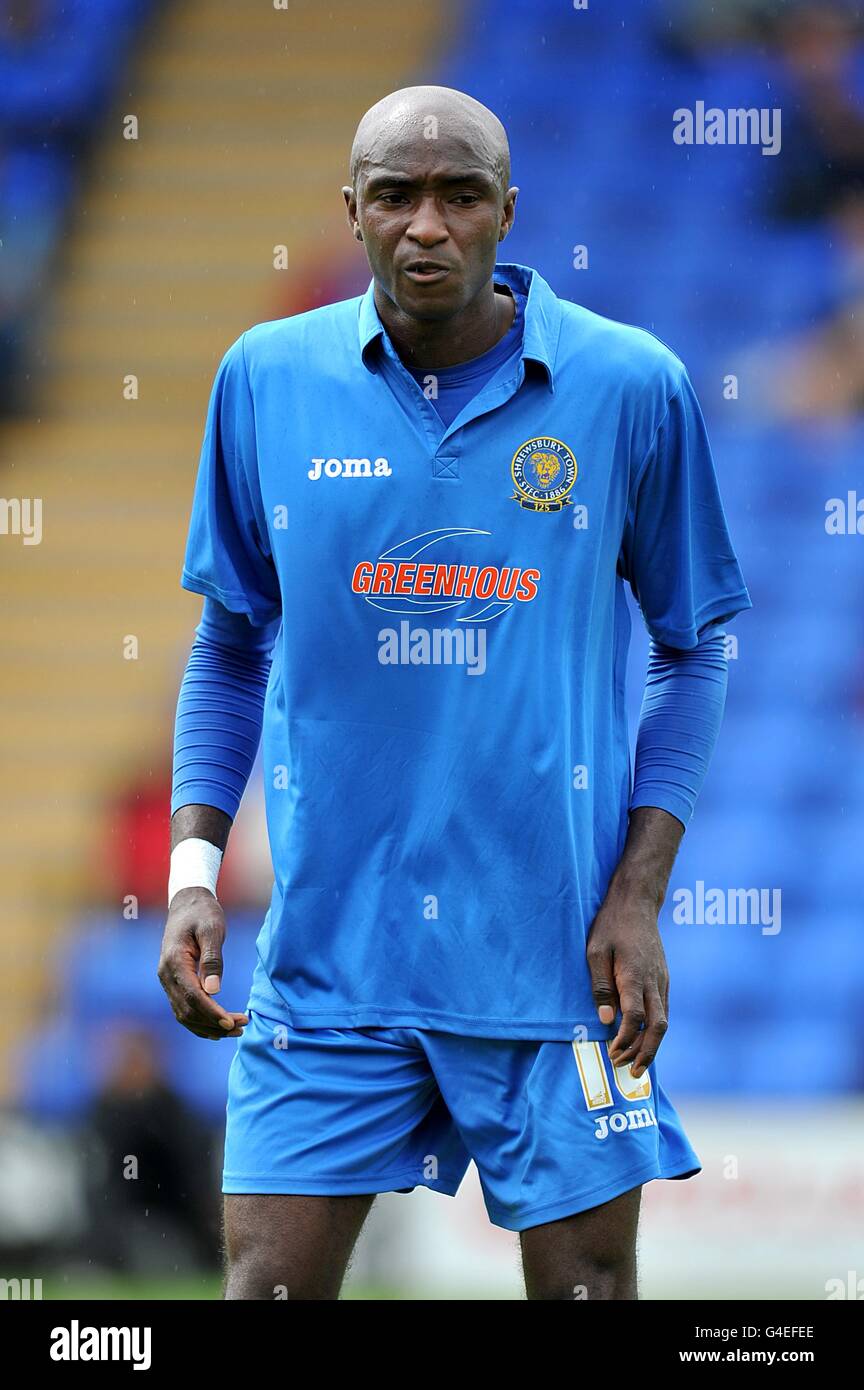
(426,272)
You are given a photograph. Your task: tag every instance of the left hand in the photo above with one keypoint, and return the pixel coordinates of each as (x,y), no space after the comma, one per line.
(628,972)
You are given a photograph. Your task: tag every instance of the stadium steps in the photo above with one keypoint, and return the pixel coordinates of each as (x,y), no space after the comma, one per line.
(169,259)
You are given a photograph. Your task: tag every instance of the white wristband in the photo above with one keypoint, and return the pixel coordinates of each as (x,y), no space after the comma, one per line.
(194,864)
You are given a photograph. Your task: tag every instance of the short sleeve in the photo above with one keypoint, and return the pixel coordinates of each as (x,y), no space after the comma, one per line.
(676,551)
(227,554)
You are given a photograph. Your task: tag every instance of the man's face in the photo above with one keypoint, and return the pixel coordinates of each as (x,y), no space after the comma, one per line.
(432,214)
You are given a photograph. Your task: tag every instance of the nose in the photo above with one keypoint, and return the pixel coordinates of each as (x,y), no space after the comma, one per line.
(427,226)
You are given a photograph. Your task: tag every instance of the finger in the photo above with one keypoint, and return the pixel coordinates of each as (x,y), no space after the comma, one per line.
(207,1030)
(200,1009)
(656,1025)
(215,1035)
(210,941)
(602,983)
(632,1020)
(190,1003)
(225,1030)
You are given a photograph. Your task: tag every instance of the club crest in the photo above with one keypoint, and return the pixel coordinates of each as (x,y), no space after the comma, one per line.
(543,470)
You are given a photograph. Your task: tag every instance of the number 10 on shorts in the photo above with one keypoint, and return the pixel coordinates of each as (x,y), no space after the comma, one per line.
(594,1077)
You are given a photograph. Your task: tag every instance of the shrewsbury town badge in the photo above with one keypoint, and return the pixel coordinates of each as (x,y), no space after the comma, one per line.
(544,470)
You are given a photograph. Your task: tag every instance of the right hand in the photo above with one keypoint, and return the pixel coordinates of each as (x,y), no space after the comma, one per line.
(190,965)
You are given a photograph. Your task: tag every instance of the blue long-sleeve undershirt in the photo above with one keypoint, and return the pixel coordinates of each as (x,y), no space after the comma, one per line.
(682,710)
(221,707)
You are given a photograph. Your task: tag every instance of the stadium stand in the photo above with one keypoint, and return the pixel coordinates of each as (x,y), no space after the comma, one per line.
(169,256)
(60,64)
(170,260)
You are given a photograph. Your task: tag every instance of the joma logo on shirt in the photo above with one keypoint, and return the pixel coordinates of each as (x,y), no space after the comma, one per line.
(349,468)
(641,1118)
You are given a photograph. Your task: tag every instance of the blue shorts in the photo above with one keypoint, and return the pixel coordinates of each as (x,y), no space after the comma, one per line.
(553,1127)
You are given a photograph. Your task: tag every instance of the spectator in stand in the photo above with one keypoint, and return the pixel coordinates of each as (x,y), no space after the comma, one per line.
(823,139)
(59,61)
(137,832)
(150,1196)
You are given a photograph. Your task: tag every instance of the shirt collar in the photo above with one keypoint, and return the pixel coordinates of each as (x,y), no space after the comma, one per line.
(541,328)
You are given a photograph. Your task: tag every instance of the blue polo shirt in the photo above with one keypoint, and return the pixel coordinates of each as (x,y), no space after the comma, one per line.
(444,744)
(450,388)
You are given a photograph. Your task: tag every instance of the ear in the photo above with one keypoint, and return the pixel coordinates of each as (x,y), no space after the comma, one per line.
(508,212)
(351,207)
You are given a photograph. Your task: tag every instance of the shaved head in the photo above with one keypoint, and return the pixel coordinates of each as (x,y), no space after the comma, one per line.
(430,200)
(395,122)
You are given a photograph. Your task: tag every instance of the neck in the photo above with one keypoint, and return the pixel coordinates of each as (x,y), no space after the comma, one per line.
(445,343)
